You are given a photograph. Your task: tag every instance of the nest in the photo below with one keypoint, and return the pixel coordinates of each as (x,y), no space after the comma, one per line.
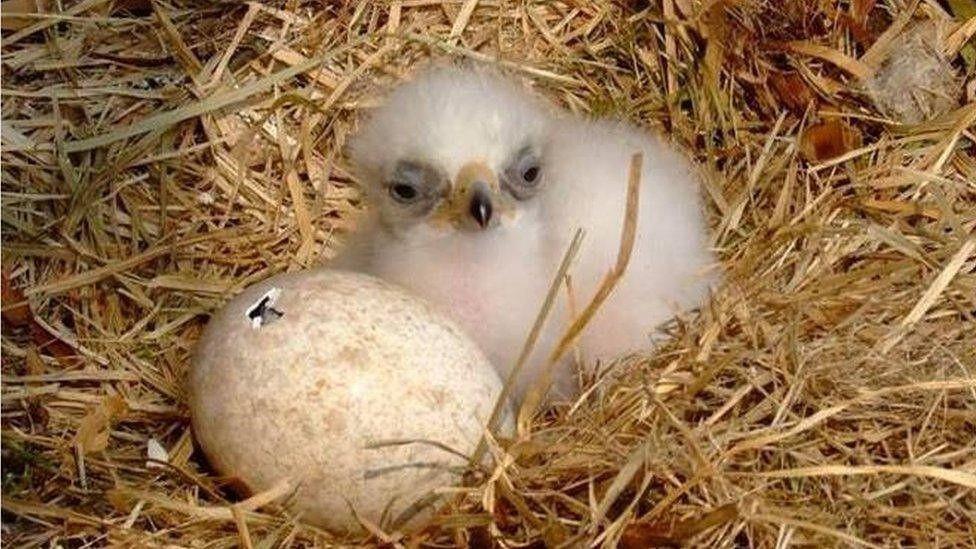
(160,156)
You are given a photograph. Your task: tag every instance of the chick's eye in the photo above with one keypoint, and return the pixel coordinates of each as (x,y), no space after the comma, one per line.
(530,174)
(523,177)
(403,192)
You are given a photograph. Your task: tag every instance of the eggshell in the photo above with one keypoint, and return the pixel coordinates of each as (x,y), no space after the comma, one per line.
(315,389)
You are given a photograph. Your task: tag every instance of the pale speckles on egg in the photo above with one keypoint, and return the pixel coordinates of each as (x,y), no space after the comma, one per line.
(345,362)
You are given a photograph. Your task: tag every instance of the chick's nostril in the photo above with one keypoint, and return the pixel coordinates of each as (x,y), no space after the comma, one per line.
(480,208)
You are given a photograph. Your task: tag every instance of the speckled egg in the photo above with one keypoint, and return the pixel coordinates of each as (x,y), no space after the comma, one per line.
(347,386)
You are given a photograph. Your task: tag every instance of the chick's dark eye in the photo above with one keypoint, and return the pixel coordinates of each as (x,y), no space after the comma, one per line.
(403,192)
(523,177)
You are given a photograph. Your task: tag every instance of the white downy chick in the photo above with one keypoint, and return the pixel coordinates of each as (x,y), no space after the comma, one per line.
(474,189)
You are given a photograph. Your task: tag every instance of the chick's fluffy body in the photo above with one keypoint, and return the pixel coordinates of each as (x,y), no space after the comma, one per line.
(588,163)
(493,281)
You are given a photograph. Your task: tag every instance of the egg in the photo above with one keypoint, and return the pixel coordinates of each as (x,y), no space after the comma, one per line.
(363,396)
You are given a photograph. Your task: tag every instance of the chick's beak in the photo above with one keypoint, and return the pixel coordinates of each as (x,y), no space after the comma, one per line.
(476,184)
(480,206)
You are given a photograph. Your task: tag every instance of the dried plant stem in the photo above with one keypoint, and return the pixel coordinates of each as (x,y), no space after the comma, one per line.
(628,234)
(503,400)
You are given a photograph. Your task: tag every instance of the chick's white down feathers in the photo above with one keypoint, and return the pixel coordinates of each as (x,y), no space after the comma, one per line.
(493,278)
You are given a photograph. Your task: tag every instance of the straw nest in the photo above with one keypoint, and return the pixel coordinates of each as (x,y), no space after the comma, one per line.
(160,156)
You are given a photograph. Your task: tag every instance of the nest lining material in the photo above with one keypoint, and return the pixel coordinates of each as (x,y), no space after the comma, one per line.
(160,156)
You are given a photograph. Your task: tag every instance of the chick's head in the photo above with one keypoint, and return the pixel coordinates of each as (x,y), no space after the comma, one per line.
(452,150)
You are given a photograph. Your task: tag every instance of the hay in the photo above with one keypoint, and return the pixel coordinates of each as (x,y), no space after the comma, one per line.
(160,156)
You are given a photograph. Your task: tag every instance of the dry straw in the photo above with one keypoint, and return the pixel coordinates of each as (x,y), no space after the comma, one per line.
(158,156)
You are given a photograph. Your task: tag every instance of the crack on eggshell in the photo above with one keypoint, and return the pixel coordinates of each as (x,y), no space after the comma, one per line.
(262,312)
